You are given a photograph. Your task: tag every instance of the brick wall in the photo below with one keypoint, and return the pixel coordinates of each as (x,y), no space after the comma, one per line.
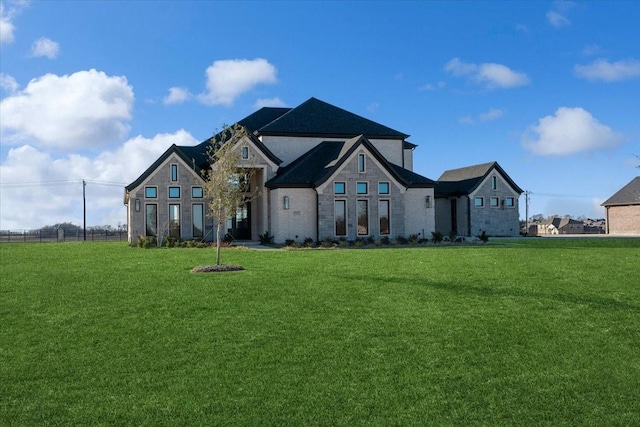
(623,220)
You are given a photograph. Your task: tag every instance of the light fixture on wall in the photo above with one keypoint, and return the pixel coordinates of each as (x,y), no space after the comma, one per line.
(285,202)
(137,205)
(427,201)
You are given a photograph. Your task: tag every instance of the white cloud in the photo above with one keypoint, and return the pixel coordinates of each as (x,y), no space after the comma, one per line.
(429,87)
(492,75)
(268,102)
(570,130)
(487,116)
(609,71)
(8,83)
(31,177)
(45,47)
(228,79)
(177,95)
(82,110)
(7,28)
(556,19)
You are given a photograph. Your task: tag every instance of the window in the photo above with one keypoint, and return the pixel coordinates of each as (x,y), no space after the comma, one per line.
(495,202)
(479,202)
(339,188)
(361,188)
(245,153)
(151,219)
(383,214)
(197,193)
(174,192)
(340,213)
(511,202)
(361,163)
(174,173)
(174,221)
(150,192)
(494,183)
(383,188)
(198,220)
(362,212)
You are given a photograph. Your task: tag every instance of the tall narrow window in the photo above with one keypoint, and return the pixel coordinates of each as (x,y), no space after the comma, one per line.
(198,220)
(174,173)
(383,214)
(494,183)
(362,212)
(245,153)
(340,212)
(151,219)
(174,221)
(361,165)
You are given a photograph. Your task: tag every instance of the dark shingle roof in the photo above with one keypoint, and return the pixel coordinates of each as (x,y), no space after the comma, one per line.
(318,164)
(315,117)
(627,195)
(262,117)
(461,181)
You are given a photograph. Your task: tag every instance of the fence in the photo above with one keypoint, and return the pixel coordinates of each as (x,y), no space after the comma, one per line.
(52,235)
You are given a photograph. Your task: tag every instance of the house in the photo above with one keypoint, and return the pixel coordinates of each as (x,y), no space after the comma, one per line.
(556,225)
(623,210)
(476,199)
(319,171)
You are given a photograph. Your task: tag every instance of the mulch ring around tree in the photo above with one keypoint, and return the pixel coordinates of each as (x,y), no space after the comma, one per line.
(215,268)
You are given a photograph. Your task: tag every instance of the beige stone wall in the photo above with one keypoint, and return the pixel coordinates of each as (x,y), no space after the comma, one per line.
(418,218)
(624,220)
(297,222)
(495,221)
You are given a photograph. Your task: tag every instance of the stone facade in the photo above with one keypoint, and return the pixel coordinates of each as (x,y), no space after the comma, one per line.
(495,219)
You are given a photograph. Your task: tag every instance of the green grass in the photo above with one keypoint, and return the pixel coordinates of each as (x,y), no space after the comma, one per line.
(522,332)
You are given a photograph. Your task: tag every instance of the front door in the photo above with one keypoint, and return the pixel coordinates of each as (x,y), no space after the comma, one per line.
(241,223)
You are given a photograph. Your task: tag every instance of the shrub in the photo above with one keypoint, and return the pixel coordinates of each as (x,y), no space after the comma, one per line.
(414,238)
(401,240)
(385,241)
(308,242)
(265,238)
(436,236)
(327,242)
(227,238)
(147,242)
(484,237)
(288,242)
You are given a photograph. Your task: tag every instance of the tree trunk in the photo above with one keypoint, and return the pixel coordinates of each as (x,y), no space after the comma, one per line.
(218,243)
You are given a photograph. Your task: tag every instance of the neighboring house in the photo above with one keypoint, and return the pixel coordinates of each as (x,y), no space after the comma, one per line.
(555,226)
(476,199)
(320,172)
(623,210)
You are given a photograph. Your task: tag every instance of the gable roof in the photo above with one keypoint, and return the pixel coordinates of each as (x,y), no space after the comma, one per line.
(462,181)
(627,195)
(318,118)
(318,164)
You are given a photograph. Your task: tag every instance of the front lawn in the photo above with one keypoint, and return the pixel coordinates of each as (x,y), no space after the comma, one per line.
(521,332)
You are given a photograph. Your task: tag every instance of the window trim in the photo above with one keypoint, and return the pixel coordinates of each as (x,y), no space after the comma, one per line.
(475,202)
(151,187)
(362,165)
(388,202)
(388,188)
(368,231)
(366,188)
(201,192)
(344,188)
(174,172)
(193,220)
(169,192)
(335,221)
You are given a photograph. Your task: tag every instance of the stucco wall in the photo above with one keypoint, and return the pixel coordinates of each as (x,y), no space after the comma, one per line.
(624,220)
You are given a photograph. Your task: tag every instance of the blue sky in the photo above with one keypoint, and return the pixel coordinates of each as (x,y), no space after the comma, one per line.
(97,90)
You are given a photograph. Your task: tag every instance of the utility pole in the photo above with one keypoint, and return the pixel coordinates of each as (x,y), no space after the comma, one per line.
(84,209)
(526,210)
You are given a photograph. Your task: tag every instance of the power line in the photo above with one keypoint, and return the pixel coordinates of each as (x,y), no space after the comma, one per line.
(60,183)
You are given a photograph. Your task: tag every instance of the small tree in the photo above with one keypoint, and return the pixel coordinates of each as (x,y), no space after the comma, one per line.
(226,181)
